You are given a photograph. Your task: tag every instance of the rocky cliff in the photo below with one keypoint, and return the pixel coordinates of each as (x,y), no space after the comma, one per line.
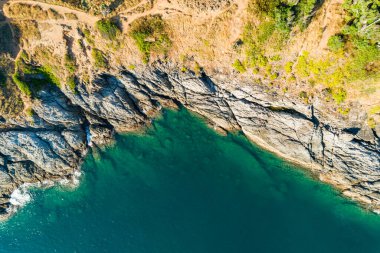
(53,145)
(296,84)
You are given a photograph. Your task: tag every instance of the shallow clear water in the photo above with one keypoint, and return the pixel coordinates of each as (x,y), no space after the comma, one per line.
(182,188)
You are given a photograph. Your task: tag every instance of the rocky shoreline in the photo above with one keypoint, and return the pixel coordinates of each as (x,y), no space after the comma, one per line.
(51,144)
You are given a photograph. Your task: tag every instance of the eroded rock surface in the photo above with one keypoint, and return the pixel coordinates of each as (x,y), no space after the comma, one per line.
(53,144)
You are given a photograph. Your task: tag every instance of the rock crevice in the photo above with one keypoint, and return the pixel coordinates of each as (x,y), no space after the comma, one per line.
(65,123)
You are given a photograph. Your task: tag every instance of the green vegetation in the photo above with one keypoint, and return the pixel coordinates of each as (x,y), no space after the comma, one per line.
(150,35)
(184,69)
(277,19)
(288,67)
(363,19)
(371,122)
(70,63)
(197,69)
(99,58)
(343,111)
(88,36)
(339,95)
(29,78)
(374,110)
(71,83)
(29,112)
(238,66)
(354,51)
(23,86)
(335,43)
(108,29)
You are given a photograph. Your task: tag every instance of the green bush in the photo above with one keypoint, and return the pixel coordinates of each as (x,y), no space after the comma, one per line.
(99,58)
(108,29)
(70,63)
(34,78)
(29,112)
(238,66)
(197,69)
(288,67)
(89,37)
(339,95)
(49,75)
(304,10)
(371,123)
(363,19)
(335,43)
(23,86)
(150,35)
(374,110)
(71,83)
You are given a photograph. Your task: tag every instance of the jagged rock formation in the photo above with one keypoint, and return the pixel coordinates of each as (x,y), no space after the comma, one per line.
(250,85)
(52,145)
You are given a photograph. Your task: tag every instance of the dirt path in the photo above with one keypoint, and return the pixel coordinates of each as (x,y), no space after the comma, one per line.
(82,16)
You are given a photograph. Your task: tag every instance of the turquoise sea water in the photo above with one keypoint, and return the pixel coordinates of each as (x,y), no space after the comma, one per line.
(181,188)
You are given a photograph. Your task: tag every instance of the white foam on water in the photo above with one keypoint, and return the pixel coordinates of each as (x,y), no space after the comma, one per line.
(88,137)
(64,182)
(76,177)
(71,182)
(21,196)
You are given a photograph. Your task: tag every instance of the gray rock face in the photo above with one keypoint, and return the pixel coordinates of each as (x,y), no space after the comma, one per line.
(54,144)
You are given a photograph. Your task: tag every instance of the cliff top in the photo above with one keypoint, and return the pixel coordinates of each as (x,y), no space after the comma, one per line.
(319,51)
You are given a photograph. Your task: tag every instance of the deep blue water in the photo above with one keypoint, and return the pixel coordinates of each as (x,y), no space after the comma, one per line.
(182,188)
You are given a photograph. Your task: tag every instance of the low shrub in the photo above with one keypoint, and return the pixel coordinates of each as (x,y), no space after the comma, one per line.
(23,86)
(335,43)
(288,67)
(339,95)
(70,63)
(71,83)
(99,58)
(238,66)
(108,29)
(150,35)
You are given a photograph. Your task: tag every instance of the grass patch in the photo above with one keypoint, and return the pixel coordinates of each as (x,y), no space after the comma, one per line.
(89,37)
(339,95)
(70,63)
(30,79)
(371,123)
(288,67)
(238,66)
(71,83)
(197,69)
(335,43)
(108,29)
(99,58)
(150,35)
(23,86)
(374,110)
